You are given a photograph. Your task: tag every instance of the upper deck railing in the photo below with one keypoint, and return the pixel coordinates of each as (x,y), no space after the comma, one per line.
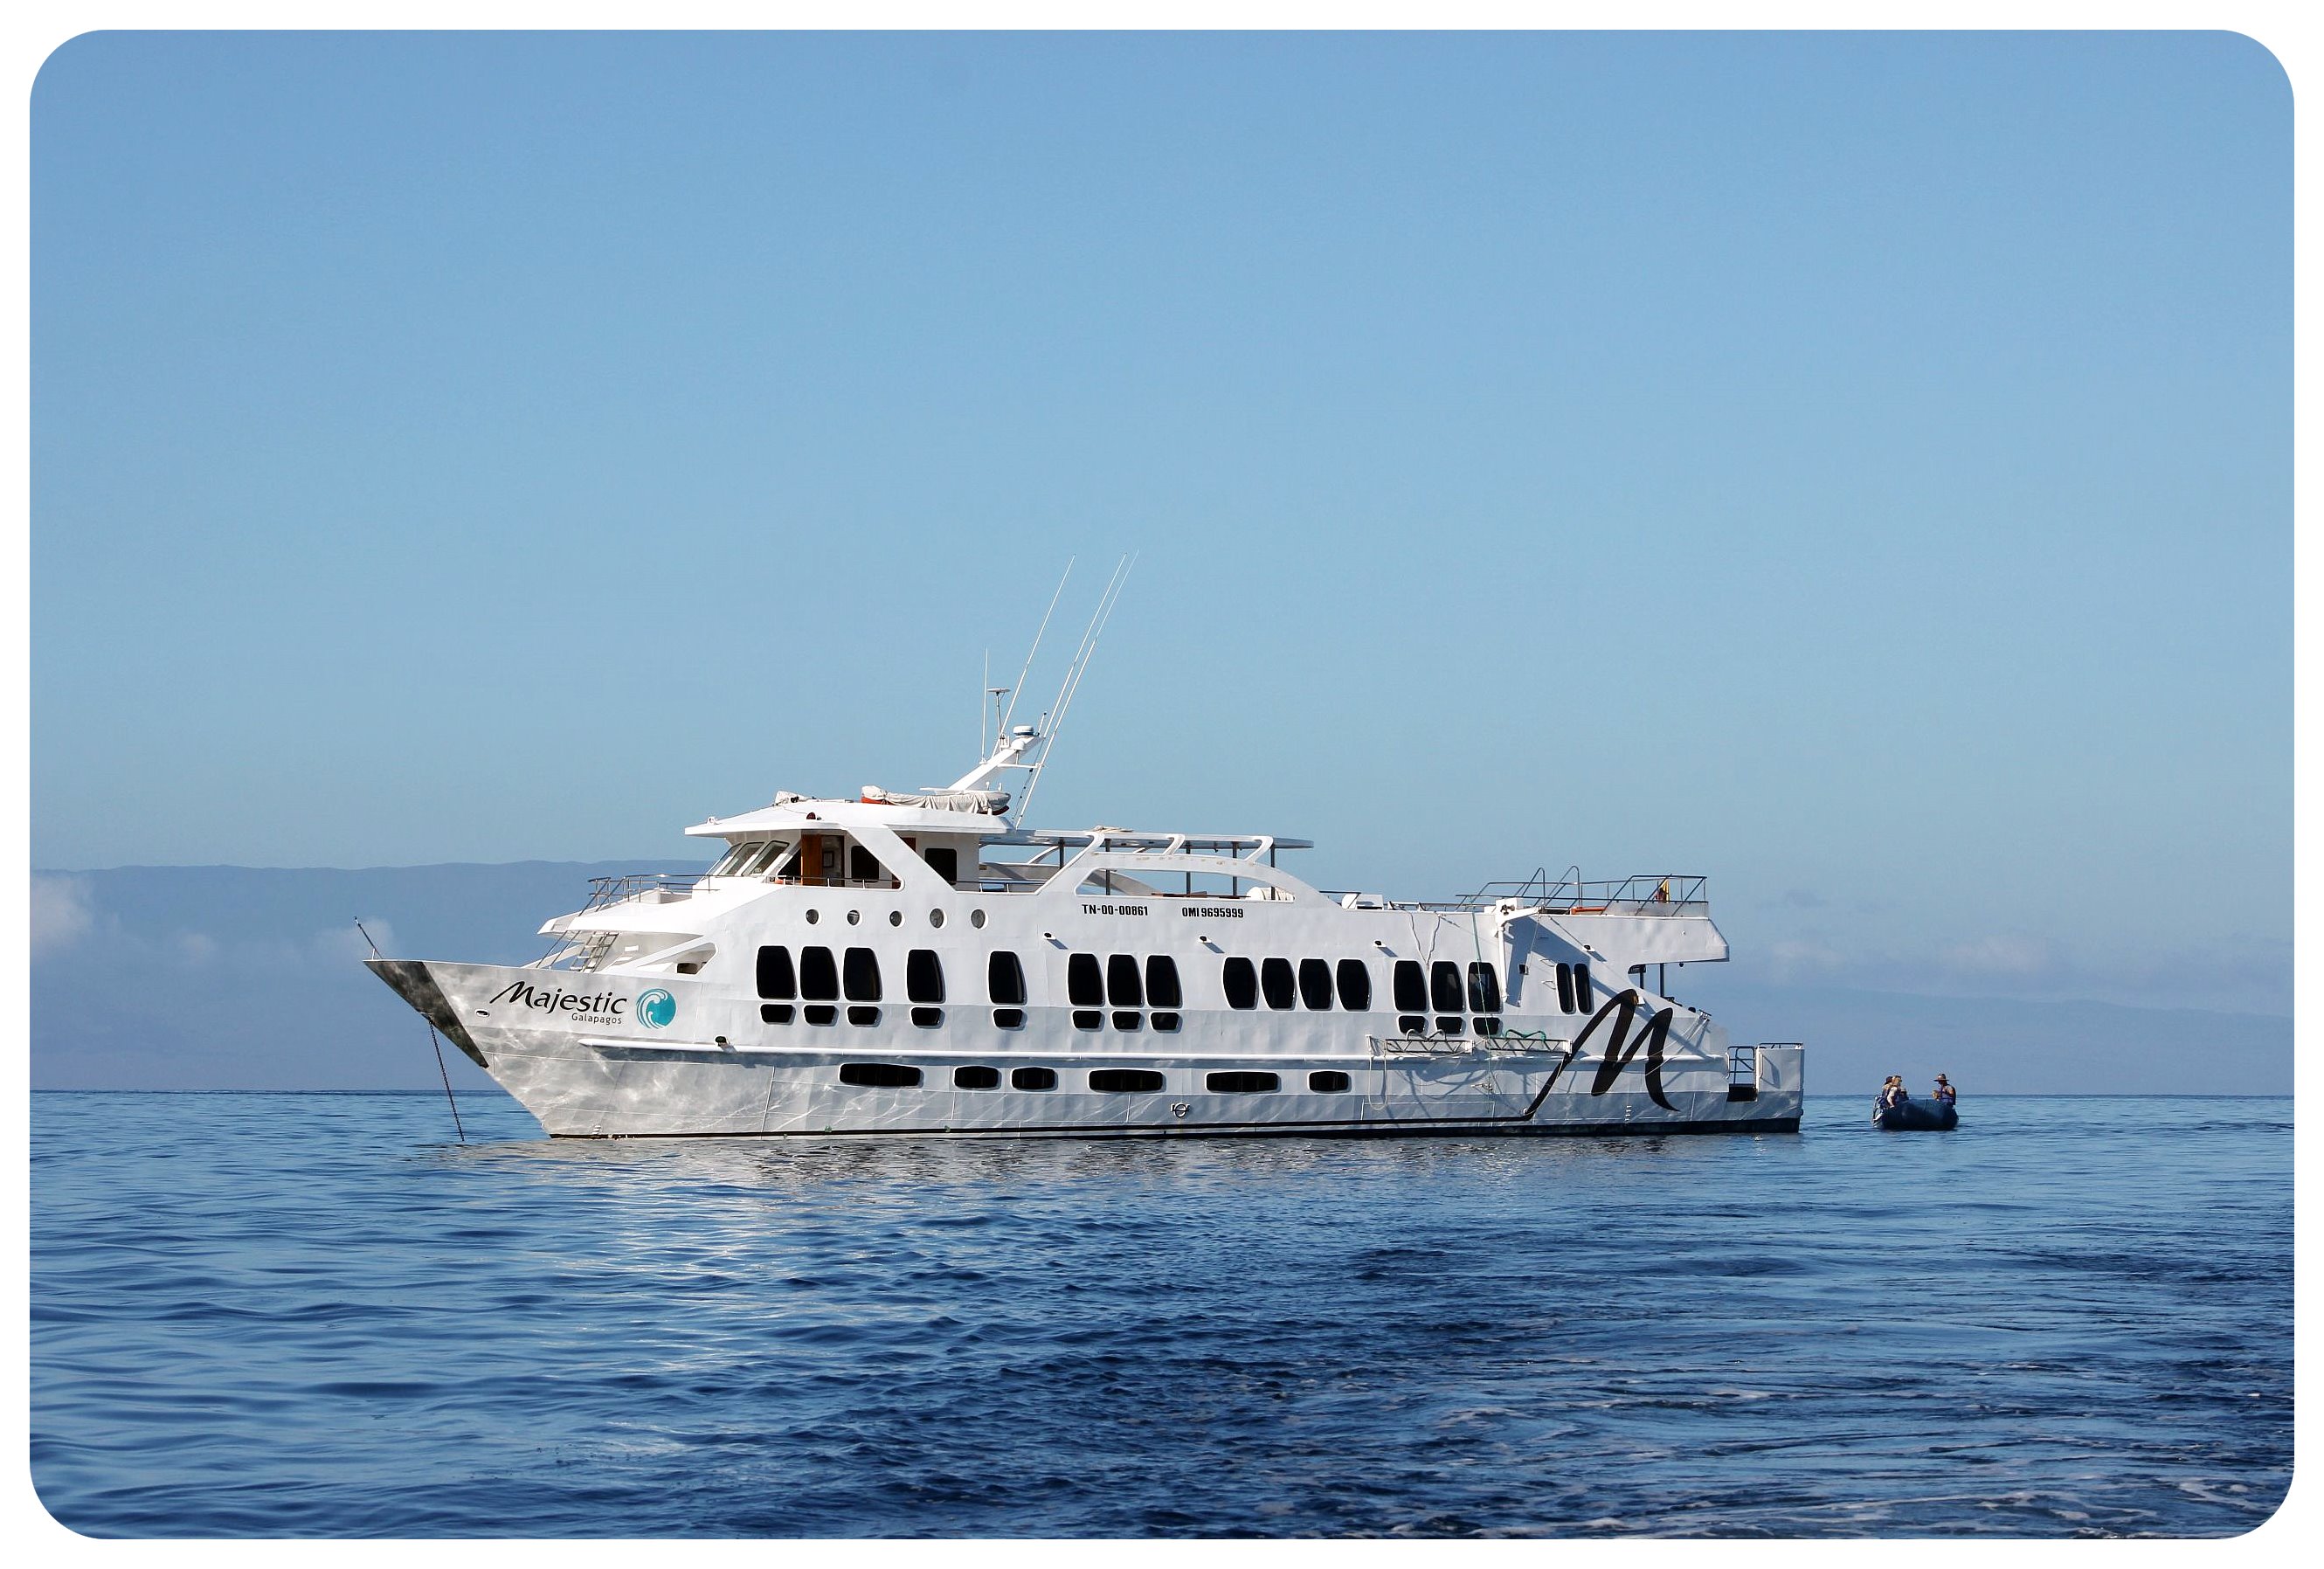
(1650,893)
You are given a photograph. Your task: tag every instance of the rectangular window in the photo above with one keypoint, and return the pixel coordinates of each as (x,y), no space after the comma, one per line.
(944,864)
(1315,984)
(775,980)
(879,1076)
(976,1078)
(1484,989)
(1004,980)
(1327,1081)
(1127,1018)
(1444,982)
(1241,1084)
(1125,1081)
(1088,1018)
(863,866)
(1082,987)
(1033,1079)
(1274,981)
(1411,988)
(1121,983)
(924,976)
(1162,983)
(1355,985)
(1242,984)
(1168,1023)
(862,972)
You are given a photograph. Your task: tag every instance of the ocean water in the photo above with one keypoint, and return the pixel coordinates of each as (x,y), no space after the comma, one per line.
(318,1314)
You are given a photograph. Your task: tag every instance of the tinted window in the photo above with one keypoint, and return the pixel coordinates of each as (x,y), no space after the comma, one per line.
(1355,985)
(775,975)
(863,975)
(1088,1018)
(1241,1084)
(862,866)
(1165,1022)
(1125,1080)
(928,1017)
(1083,988)
(1316,983)
(1004,977)
(1565,988)
(1445,981)
(923,976)
(1275,980)
(1242,984)
(1411,991)
(1162,982)
(1128,1019)
(1122,984)
(1327,1081)
(1582,1002)
(818,976)
(1008,1017)
(1034,1079)
(884,1075)
(976,1078)
(946,863)
(1484,989)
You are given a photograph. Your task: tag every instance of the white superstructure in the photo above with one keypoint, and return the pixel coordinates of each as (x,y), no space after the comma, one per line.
(917,963)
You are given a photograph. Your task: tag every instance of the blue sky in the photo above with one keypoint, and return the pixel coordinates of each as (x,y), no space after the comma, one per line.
(1855,467)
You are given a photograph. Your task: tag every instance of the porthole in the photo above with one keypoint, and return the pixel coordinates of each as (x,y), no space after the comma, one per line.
(935,918)
(976,918)
(814,916)
(854,917)
(895,918)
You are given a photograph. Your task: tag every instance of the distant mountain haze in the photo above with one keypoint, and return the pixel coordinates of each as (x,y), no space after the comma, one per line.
(246,978)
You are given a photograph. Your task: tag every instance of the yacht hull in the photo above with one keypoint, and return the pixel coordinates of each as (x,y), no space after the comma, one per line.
(599,1056)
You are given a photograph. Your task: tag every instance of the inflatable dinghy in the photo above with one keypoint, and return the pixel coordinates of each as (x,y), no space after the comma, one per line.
(1917,1116)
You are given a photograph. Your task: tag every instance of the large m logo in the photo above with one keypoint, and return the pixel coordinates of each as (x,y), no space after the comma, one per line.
(1623,1009)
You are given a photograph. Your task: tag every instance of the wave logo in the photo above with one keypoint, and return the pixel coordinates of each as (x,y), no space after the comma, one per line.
(656,1009)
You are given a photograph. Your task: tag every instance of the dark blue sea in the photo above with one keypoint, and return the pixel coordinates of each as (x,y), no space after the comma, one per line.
(320,1316)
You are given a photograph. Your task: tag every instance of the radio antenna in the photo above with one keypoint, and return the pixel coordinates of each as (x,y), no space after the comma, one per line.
(1106,600)
(1031,651)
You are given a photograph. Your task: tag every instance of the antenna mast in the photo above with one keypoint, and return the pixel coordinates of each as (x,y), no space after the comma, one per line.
(1073,672)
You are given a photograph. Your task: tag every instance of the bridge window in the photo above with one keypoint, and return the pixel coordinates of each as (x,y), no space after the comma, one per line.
(764,861)
(1125,1080)
(1484,989)
(976,1078)
(736,857)
(1162,983)
(1275,980)
(879,1076)
(1355,985)
(1242,984)
(1327,1081)
(1242,1084)
(1033,1079)
(1411,988)
(1315,984)
(1122,984)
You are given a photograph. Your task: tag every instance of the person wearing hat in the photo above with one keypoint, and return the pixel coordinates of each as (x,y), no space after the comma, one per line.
(1944,1091)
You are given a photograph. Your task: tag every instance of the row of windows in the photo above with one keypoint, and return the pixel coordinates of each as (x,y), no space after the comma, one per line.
(1138,995)
(896,1076)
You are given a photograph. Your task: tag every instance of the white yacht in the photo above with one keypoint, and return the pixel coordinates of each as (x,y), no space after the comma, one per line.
(922,965)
